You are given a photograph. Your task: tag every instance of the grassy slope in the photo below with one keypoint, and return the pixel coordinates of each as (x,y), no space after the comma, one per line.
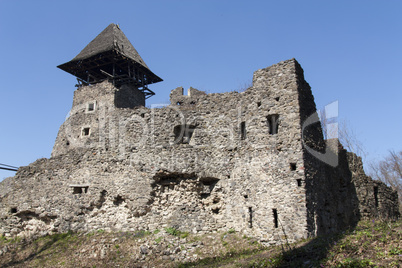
(373,243)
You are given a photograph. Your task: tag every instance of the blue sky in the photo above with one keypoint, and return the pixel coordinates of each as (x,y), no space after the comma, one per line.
(350,52)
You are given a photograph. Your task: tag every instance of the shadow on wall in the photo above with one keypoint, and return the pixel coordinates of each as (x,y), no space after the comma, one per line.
(335,210)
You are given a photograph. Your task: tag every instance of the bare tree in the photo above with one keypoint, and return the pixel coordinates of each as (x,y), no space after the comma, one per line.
(349,140)
(389,171)
(344,132)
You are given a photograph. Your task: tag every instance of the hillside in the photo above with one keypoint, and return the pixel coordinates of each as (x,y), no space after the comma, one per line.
(372,243)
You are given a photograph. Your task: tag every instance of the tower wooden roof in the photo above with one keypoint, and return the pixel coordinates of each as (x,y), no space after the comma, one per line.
(111,56)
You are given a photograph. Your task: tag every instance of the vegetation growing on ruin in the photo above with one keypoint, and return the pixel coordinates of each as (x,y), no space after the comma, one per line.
(373,243)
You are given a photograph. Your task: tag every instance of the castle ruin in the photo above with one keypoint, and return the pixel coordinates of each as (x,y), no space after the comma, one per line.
(254,161)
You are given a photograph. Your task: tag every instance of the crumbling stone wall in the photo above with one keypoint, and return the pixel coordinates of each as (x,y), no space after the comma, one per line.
(204,163)
(375,198)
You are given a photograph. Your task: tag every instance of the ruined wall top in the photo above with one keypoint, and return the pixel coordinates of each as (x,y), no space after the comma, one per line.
(178,97)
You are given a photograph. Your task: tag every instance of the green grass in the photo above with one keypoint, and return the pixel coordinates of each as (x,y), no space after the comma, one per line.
(172,231)
(370,244)
(176,232)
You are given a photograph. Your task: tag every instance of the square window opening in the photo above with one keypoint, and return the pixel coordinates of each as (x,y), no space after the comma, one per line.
(292,166)
(86,131)
(91,106)
(183,133)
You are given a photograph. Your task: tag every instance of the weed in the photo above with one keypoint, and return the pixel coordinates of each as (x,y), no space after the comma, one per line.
(90,234)
(184,234)
(395,251)
(3,238)
(172,231)
(355,263)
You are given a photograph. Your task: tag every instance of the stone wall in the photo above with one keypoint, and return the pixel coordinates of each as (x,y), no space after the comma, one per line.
(206,162)
(375,198)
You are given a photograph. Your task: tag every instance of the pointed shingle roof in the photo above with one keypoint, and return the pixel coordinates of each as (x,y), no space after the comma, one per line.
(111,38)
(110,53)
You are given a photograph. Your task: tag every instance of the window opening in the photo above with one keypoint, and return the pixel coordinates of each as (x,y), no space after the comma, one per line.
(273,122)
(215,210)
(183,133)
(299,182)
(259,104)
(118,200)
(250,219)
(85,131)
(243,132)
(275,213)
(91,107)
(79,189)
(292,166)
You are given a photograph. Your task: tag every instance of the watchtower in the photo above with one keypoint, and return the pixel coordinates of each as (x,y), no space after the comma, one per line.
(111,56)
(110,74)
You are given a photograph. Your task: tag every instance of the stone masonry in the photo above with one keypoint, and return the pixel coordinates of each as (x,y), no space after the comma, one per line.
(204,163)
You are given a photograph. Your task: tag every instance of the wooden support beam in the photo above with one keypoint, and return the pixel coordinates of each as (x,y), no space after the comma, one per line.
(106,73)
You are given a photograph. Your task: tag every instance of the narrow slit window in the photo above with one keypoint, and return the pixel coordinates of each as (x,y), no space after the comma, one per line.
(273,122)
(275,214)
(299,182)
(243,131)
(250,218)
